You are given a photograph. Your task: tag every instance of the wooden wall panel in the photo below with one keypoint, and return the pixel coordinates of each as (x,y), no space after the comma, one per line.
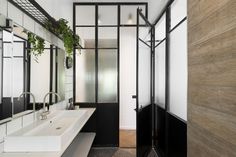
(212,78)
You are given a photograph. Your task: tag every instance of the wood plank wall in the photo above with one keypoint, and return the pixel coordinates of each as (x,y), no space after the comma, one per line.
(212,78)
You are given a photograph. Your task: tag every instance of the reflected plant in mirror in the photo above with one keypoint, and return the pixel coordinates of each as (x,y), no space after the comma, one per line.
(29,64)
(37,45)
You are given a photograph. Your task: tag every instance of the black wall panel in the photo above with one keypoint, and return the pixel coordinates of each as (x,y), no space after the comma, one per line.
(160,131)
(105,122)
(177,137)
(144,134)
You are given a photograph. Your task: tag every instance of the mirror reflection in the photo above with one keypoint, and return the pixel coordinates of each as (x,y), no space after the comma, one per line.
(6,73)
(22,72)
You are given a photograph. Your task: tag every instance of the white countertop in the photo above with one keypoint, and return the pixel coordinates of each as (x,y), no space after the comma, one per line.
(90,111)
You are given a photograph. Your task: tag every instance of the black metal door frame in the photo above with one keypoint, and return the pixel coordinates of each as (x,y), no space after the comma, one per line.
(145,144)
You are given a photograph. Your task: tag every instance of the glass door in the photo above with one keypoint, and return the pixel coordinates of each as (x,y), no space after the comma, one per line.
(144,103)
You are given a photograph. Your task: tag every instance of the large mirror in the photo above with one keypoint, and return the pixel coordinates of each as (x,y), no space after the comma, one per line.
(23,72)
(6,50)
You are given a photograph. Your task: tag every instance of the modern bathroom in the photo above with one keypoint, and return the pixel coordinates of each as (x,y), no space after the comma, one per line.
(113,78)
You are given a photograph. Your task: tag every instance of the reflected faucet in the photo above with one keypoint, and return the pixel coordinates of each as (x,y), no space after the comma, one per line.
(25,93)
(45,113)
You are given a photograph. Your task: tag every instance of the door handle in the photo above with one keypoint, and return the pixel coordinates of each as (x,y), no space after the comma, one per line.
(134,96)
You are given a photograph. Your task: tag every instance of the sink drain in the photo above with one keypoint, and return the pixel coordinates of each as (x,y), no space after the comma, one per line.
(58,128)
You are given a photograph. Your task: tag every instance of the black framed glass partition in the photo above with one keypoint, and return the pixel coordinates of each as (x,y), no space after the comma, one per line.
(170,75)
(96,70)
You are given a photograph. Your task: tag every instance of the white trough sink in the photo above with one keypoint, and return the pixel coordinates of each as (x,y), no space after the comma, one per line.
(47,135)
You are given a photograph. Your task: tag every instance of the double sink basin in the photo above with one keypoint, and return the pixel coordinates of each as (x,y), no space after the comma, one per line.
(47,135)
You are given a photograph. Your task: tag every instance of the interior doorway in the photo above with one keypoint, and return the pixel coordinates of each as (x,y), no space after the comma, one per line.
(127,87)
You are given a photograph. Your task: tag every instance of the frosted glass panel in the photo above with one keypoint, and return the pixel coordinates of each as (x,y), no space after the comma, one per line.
(85,76)
(144,65)
(178,11)
(7,49)
(7,75)
(7,36)
(18,48)
(129,14)
(178,71)
(144,74)
(107,76)
(107,37)
(107,15)
(160,29)
(18,76)
(160,75)
(87,34)
(85,15)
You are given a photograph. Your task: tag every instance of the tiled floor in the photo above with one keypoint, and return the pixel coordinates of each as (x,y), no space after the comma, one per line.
(127,147)
(115,152)
(112,152)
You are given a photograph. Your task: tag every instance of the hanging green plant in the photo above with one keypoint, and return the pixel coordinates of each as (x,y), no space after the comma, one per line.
(62,29)
(37,45)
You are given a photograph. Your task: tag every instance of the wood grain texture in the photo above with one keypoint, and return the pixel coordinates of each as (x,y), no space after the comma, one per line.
(128,138)
(212,78)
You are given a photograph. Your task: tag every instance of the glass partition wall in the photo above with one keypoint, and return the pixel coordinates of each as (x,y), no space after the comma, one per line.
(170,77)
(96,70)
(162,82)
(97,66)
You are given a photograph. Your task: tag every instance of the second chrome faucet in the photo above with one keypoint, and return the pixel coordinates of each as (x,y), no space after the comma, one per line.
(46,112)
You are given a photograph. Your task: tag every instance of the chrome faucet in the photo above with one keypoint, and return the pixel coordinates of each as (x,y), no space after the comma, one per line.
(45,113)
(25,93)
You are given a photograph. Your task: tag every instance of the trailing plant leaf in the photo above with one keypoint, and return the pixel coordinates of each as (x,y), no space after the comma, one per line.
(37,45)
(62,29)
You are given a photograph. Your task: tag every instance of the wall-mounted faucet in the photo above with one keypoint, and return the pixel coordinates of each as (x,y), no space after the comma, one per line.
(25,93)
(46,112)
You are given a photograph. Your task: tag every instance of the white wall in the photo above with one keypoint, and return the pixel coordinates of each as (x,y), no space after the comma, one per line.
(7,64)
(17,69)
(40,76)
(58,9)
